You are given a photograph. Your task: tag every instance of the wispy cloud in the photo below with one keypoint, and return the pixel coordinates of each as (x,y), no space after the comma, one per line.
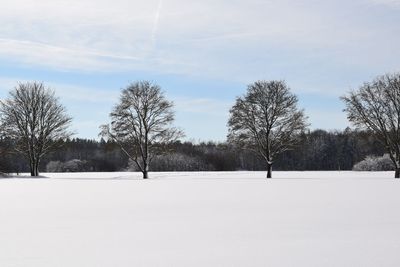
(233,40)
(156,22)
(67,92)
(390,3)
(202,106)
(82,94)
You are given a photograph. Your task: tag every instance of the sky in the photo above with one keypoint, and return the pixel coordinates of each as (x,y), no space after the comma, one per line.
(203,54)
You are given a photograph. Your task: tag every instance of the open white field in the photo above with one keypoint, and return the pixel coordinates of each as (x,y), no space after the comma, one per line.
(201,219)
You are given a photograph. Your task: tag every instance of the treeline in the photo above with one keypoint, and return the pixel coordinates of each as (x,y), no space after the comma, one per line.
(317,150)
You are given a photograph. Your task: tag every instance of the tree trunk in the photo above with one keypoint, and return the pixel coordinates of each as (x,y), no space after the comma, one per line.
(397,173)
(37,169)
(146,170)
(269,170)
(32,168)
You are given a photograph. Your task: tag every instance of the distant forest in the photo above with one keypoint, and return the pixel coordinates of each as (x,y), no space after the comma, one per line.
(317,150)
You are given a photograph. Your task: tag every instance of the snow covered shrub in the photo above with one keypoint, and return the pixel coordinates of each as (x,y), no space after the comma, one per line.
(54,166)
(374,163)
(74,165)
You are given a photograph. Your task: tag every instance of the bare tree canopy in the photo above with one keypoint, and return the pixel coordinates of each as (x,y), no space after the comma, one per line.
(266,120)
(141,123)
(34,118)
(376,106)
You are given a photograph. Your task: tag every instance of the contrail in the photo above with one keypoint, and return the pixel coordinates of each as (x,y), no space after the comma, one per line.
(155,24)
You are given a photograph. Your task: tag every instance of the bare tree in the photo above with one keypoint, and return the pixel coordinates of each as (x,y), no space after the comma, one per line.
(266,120)
(141,124)
(34,118)
(4,148)
(376,106)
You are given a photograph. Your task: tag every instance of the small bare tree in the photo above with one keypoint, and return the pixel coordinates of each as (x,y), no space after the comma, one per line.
(33,117)
(266,120)
(141,124)
(376,106)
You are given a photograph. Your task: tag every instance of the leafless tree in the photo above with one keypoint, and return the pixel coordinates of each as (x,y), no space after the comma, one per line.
(3,149)
(376,106)
(34,118)
(141,124)
(266,120)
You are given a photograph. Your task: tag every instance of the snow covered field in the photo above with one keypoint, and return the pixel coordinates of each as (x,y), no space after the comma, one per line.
(201,219)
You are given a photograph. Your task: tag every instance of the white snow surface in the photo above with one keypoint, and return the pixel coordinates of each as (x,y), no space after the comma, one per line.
(201,219)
